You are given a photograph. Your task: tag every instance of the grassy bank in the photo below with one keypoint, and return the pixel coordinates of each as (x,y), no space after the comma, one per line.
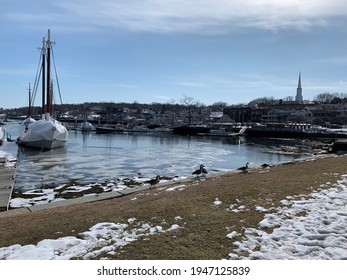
(204,224)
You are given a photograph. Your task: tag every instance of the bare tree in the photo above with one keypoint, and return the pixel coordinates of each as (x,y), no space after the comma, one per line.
(264,101)
(288,98)
(324,98)
(219,104)
(189,102)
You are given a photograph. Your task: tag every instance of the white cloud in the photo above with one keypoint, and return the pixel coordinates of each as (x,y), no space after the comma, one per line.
(164,98)
(190,84)
(194,16)
(334,60)
(209,16)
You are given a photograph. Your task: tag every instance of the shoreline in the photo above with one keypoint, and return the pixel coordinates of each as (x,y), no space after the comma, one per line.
(127,191)
(193,201)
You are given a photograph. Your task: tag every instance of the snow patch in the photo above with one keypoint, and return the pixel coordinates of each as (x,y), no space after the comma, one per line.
(311,228)
(102,238)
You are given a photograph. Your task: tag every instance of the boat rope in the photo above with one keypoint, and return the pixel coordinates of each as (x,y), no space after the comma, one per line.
(37,81)
(56,76)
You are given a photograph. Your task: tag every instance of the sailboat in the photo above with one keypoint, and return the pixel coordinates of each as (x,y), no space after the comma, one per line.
(46,133)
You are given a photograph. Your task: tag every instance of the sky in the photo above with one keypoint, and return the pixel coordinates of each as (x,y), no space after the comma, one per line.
(163,50)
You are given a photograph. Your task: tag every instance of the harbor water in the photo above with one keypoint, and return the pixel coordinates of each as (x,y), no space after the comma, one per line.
(92,163)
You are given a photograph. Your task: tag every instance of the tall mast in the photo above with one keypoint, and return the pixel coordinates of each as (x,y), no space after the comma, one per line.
(43,52)
(49,93)
(29,108)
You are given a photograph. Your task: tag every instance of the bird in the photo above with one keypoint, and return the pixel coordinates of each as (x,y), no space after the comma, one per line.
(153,182)
(202,169)
(243,168)
(265,165)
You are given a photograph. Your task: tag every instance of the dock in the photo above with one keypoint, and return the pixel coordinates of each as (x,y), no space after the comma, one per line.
(339,146)
(8,169)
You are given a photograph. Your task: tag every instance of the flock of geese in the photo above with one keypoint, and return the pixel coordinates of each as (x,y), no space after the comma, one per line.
(202,170)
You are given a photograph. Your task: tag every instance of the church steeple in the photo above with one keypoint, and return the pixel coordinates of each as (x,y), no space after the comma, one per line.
(298,97)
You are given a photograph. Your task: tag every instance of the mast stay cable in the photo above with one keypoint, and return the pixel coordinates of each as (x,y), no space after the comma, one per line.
(56,77)
(36,82)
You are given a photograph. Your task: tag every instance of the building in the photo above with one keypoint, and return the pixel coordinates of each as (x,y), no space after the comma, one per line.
(298,97)
(239,114)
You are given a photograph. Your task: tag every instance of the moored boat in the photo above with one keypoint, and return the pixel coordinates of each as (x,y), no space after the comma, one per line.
(87,126)
(43,134)
(293,131)
(108,128)
(2,135)
(191,129)
(46,133)
(3,119)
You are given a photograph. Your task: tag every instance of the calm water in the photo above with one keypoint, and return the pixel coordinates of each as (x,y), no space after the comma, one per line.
(112,158)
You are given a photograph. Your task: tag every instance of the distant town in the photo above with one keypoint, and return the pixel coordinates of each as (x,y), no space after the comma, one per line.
(327,109)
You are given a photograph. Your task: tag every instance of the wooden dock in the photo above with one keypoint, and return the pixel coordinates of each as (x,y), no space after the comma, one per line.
(8,169)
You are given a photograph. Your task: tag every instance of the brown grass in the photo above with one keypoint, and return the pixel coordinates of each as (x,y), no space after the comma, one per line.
(204,225)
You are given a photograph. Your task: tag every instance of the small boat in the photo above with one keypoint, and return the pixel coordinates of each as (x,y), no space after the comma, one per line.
(2,135)
(292,131)
(109,128)
(46,133)
(221,132)
(191,129)
(162,129)
(139,128)
(86,126)
(3,119)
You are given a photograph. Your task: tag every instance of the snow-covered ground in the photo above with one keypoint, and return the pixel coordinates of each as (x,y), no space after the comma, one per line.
(311,227)
(304,228)
(9,160)
(99,239)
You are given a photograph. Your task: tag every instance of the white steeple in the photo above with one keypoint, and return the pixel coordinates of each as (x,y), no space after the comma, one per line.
(298,97)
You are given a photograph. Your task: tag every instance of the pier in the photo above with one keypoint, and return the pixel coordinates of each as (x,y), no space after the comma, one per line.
(8,169)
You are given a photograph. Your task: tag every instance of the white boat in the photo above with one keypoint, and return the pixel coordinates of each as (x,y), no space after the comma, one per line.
(43,134)
(46,133)
(139,128)
(87,126)
(109,128)
(2,135)
(3,118)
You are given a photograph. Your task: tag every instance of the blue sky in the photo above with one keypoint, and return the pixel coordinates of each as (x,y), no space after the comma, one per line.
(162,50)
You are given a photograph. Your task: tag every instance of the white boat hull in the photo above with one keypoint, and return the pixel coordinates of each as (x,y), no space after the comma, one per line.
(43,134)
(2,135)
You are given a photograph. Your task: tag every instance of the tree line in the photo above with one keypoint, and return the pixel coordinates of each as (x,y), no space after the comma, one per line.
(322,98)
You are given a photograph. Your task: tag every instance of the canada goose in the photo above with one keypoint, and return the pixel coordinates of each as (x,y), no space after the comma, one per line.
(243,168)
(202,169)
(153,182)
(265,165)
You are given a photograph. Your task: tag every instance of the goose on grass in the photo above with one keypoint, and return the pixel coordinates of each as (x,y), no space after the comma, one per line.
(153,182)
(199,171)
(243,168)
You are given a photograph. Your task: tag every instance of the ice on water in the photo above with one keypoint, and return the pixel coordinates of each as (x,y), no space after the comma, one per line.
(114,158)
